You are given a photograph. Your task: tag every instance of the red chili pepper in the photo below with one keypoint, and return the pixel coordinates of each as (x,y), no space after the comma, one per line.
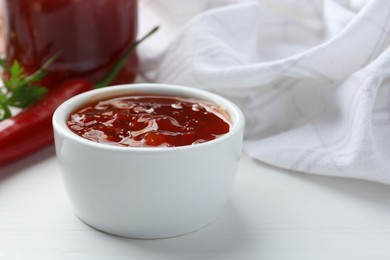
(32,128)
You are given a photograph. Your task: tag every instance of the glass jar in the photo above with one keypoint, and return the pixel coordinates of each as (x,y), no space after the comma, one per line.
(88,35)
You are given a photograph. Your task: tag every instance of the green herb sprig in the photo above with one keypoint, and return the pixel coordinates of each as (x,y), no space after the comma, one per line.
(20,89)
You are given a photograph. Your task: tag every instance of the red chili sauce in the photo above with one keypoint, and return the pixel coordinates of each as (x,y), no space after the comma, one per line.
(88,35)
(145,121)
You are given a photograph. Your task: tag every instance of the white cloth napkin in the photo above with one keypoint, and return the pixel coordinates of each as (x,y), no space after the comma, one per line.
(312,77)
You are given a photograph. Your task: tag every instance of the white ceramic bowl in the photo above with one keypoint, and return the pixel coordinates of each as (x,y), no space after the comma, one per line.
(147,192)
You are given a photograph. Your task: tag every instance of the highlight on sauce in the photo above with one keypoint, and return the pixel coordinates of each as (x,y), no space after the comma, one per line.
(150,121)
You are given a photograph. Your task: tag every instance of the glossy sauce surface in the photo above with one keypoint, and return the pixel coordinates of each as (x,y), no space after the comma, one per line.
(88,35)
(150,121)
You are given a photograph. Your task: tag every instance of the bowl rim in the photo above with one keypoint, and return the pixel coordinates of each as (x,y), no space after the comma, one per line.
(62,112)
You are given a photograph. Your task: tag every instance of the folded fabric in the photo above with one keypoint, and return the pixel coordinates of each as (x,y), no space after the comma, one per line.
(312,78)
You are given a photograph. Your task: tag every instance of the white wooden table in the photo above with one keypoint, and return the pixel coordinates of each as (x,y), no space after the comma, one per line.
(273,215)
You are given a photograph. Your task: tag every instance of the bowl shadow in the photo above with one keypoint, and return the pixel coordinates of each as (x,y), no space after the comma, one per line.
(227,235)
